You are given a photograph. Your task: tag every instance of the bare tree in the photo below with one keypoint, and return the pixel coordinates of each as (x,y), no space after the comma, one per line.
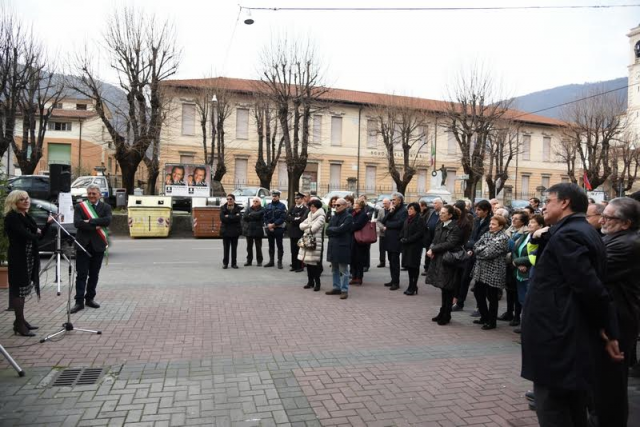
(503,146)
(403,127)
(567,152)
(43,91)
(625,161)
(474,107)
(143,53)
(594,123)
(291,81)
(213,107)
(269,142)
(18,60)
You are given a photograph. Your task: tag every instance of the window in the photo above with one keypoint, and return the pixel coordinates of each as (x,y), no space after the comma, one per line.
(242,123)
(283,178)
(422,181)
(57,105)
(317,130)
(526,147)
(186,159)
(60,126)
(372,133)
(335,172)
(370,179)
(546,149)
(188,119)
(452,144)
(564,180)
(525,186)
(336,130)
(546,181)
(397,137)
(240,173)
(81,107)
(422,136)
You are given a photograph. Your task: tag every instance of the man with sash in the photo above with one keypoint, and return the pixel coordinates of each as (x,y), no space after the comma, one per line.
(91,218)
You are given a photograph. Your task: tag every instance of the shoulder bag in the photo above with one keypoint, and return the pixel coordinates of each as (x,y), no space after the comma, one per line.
(455,257)
(367,234)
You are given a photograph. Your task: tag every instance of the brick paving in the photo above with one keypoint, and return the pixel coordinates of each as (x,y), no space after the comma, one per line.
(191,344)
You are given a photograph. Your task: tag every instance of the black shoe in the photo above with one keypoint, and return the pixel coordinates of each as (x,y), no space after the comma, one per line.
(23,331)
(438,317)
(316,288)
(457,307)
(364,270)
(259,264)
(388,284)
(76,308)
(91,303)
(269,264)
(234,266)
(381,265)
(333,292)
(308,286)
(224,267)
(488,326)
(30,327)
(248,263)
(506,316)
(279,265)
(530,396)
(292,269)
(443,321)
(299,270)
(515,322)
(475,313)
(411,292)
(394,287)
(517,331)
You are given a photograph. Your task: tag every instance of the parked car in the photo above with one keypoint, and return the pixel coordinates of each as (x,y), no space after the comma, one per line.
(380,198)
(79,186)
(437,194)
(517,204)
(36,185)
(39,210)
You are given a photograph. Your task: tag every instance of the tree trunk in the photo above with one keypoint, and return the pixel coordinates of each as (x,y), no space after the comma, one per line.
(153,171)
(128,166)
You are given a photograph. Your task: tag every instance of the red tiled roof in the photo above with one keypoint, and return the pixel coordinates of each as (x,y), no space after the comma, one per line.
(73,114)
(352,97)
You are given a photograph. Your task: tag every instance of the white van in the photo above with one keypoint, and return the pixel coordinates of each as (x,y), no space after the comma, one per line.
(79,186)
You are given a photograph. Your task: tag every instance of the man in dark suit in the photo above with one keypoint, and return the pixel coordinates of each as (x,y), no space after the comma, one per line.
(295,216)
(568,318)
(91,218)
(393,223)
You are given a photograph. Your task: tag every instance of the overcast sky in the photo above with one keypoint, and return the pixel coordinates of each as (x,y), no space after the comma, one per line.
(409,53)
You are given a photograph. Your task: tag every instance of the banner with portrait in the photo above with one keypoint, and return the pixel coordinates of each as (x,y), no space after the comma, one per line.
(187,180)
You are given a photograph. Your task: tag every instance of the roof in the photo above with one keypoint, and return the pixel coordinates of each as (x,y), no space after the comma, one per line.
(352,97)
(72,114)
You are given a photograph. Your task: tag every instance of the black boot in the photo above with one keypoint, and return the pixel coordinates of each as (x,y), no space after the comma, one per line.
(309,284)
(19,328)
(279,264)
(316,288)
(270,263)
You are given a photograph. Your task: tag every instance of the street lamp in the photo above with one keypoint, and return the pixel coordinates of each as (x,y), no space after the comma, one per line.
(247,17)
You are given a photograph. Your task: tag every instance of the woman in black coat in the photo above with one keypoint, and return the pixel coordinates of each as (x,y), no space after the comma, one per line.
(411,238)
(359,252)
(447,237)
(230,230)
(23,258)
(254,230)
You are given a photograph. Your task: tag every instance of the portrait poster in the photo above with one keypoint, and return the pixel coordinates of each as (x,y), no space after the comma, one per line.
(187,180)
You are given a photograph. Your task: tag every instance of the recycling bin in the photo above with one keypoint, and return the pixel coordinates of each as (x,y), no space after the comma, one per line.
(206,221)
(149,216)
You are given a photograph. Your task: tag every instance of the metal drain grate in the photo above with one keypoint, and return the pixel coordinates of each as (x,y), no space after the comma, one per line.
(73,377)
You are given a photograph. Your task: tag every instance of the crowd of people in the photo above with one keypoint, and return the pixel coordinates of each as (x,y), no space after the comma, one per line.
(568,271)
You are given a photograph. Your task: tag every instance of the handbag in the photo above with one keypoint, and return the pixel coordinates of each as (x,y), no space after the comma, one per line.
(367,234)
(307,241)
(455,258)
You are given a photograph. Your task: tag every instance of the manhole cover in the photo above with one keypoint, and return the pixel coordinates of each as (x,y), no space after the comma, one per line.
(81,376)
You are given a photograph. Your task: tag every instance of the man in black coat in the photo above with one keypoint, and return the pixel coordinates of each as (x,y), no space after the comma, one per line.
(254,231)
(568,318)
(275,215)
(433,217)
(91,219)
(480,226)
(620,221)
(381,212)
(295,216)
(339,249)
(393,223)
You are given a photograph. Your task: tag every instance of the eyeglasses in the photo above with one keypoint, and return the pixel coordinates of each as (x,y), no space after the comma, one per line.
(230,198)
(23,199)
(609,218)
(589,216)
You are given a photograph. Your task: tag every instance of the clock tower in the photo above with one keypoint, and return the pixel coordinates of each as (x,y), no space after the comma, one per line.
(633,101)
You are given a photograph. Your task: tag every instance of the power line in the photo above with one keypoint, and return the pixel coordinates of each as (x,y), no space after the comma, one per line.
(576,100)
(435,9)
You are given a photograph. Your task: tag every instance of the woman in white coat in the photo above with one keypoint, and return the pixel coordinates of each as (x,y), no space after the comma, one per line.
(313,227)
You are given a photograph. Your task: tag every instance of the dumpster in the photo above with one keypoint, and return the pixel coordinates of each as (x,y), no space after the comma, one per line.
(149,216)
(206,221)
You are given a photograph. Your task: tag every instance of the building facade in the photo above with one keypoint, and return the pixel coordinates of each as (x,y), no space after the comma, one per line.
(346,152)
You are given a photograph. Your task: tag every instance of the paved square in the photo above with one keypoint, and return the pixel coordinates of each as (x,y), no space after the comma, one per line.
(186,343)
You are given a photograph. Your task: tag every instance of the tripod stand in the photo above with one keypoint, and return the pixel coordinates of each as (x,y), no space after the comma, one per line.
(56,257)
(12,362)
(67,326)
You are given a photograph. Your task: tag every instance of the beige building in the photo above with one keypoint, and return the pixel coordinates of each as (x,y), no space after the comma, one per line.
(75,136)
(345,152)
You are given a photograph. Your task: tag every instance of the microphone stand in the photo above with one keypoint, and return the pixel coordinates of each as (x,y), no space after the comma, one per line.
(68,326)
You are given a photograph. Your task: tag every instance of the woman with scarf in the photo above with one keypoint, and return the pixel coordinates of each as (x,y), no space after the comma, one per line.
(313,226)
